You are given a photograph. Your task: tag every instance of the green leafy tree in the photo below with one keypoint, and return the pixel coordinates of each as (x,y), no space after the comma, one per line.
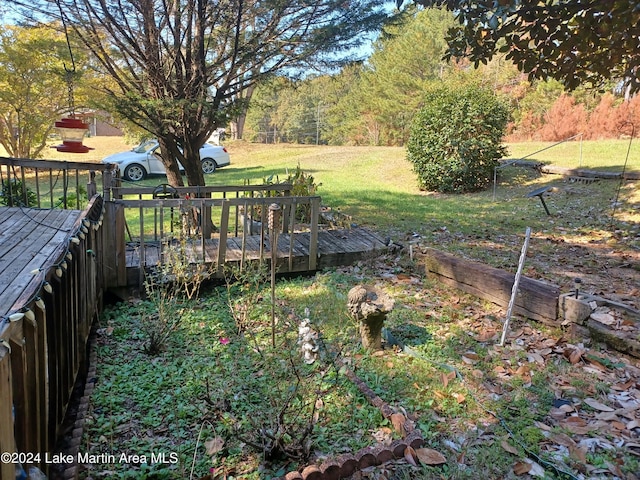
(295,111)
(406,59)
(33,91)
(180,69)
(573,41)
(456,137)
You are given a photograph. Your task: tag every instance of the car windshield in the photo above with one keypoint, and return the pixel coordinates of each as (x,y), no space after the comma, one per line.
(145,146)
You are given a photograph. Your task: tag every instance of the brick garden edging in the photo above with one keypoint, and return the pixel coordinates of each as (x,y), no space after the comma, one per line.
(346,465)
(73,445)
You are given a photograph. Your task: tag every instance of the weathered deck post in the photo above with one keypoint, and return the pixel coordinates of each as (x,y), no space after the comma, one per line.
(91,185)
(370,307)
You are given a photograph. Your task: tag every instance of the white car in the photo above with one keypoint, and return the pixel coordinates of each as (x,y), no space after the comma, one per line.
(144,160)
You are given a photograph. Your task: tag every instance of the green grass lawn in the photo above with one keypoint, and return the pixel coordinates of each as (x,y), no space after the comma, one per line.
(219,388)
(607,155)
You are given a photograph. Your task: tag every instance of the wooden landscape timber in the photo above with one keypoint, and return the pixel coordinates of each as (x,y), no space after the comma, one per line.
(535,300)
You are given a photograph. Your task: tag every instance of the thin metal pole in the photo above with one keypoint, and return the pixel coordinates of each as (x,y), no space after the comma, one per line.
(274,223)
(514,290)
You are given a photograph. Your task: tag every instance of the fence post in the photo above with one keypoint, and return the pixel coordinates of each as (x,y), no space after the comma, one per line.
(107,178)
(91,185)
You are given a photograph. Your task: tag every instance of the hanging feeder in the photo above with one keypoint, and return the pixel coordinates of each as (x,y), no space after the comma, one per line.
(72,131)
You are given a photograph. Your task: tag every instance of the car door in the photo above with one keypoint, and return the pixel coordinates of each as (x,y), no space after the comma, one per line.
(154,162)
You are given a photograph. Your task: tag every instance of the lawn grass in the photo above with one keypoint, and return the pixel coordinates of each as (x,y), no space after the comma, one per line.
(221,380)
(609,155)
(203,387)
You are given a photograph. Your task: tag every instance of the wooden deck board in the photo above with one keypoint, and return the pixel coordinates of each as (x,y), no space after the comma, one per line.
(29,240)
(335,248)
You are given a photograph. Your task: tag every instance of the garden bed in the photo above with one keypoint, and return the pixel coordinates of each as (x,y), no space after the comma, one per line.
(560,403)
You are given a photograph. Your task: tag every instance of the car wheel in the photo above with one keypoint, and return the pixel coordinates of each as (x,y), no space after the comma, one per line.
(209,165)
(134,172)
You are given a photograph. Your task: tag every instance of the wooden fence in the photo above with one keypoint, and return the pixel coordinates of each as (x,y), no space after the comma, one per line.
(44,339)
(43,336)
(52,183)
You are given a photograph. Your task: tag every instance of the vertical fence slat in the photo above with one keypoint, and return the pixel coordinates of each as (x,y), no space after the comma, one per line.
(7,442)
(51,188)
(38,188)
(245,226)
(290,208)
(32,384)
(222,243)
(42,412)
(205,222)
(142,252)
(25,192)
(19,381)
(313,241)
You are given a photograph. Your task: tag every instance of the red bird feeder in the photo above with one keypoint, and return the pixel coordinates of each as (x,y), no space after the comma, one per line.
(72,131)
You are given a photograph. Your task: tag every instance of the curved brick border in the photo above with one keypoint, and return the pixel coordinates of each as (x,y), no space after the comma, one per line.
(346,465)
(73,446)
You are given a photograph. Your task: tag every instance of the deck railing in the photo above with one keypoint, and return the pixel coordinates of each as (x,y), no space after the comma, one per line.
(162,221)
(51,183)
(43,347)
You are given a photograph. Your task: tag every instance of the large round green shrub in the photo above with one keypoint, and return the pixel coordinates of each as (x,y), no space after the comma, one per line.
(456,137)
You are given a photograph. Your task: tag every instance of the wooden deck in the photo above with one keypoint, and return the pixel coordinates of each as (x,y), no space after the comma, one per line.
(335,248)
(30,239)
(50,294)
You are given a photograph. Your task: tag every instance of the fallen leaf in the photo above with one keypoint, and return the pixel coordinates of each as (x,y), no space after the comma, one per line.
(596,405)
(446,377)
(470,358)
(562,439)
(410,456)
(535,357)
(214,445)
(575,356)
(397,420)
(581,422)
(429,456)
(520,468)
(618,425)
(508,447)
(460,398)
(542,426)
(621,387)
(486,335)
(578,453)
(607,416)
(536,470)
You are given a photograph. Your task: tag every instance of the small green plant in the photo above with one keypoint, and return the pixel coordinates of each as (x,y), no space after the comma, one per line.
(17,194)
(170,287)
(302,185)
(455,141)
(74,199)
